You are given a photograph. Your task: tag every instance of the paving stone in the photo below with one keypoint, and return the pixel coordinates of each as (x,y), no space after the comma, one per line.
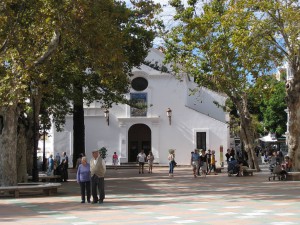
(133,198)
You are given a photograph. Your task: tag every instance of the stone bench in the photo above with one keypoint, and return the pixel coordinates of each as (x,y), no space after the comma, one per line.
(248,172)
(48,189)
(46,178)
(219,169)
(293,176)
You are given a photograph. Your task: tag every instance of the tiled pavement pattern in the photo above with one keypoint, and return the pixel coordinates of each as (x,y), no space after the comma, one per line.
(133,198)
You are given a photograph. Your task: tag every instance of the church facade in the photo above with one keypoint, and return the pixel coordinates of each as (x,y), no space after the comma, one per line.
(173,119)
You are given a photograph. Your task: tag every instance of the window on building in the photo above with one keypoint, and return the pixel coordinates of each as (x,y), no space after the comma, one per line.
(201,140)
(141,100)
(139,84)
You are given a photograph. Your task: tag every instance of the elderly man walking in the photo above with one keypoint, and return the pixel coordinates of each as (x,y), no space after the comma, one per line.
(98,169)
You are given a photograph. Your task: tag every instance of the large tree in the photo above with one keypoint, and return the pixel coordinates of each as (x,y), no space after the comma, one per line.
(99,65)
(45,46)
(278,23)
(28,37)
(215,46)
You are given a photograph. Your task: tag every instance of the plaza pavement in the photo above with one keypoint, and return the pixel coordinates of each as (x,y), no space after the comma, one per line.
(133,198)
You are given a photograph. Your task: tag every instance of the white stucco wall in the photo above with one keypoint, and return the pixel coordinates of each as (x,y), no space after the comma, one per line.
(164,91)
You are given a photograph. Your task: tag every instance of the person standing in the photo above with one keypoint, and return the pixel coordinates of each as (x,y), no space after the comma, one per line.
(195,161)
(199,166)
(57,167)
(78,162)
(213,162)
(98,169)
(115,160)
(171,158)
(150,159)
(232,153)
(64,167)
(208,155)
(50,165)
(141,158)
(203,162)
(227,155)
(84,179)
(57,158)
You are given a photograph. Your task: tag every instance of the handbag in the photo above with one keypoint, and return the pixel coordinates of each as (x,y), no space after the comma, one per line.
(174,163)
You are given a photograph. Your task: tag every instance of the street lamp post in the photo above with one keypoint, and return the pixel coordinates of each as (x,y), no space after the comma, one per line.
(169,115)
(35,171)
(106,115)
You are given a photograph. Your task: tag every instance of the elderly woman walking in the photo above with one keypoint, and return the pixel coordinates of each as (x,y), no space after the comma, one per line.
(84,180)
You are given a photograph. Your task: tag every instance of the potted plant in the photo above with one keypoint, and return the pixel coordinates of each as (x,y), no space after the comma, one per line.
(103,152)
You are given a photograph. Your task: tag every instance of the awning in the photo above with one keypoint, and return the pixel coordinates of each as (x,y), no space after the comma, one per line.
(268,138)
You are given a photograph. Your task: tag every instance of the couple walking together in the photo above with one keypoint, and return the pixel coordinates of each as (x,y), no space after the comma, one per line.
(142,158)
(92,174)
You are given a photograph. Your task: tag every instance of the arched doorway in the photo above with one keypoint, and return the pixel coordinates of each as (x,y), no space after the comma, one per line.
(139,137)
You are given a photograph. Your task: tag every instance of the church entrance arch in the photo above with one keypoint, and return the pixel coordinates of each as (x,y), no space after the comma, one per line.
(139,137)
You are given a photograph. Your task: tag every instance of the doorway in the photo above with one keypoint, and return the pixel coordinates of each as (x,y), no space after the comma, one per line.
(139,137)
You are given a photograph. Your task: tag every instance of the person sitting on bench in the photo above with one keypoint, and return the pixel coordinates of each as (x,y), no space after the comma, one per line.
(243,165)
(287,164)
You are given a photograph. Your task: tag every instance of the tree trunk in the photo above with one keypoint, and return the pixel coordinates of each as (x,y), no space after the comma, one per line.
(21,153)
(8,145)
(247,131)
(32,135)
(293,100)
(36,106)
(78,125)
(29,147)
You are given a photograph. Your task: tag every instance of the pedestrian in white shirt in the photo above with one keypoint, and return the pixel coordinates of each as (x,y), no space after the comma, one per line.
(141,158)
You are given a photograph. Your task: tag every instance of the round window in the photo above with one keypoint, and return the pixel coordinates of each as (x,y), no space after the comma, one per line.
(139,84)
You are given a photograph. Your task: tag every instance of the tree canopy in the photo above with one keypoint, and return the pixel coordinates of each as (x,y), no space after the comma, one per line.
(217,47)
(226,44)
(277,22)
(45,49)
(268,102)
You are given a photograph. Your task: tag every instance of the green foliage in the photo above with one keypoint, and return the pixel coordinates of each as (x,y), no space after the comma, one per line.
(105,36)
(273,109)
(217,48)
(103,152)
(25,34)
(156,66)
(267,100)
(221,48)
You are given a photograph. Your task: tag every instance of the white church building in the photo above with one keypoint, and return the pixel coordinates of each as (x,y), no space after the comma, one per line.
(193,121)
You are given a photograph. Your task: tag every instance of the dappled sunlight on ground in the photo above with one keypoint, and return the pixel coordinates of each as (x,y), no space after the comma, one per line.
(133,198)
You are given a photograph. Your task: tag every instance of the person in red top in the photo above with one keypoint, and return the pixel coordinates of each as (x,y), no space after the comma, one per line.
(115,160)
